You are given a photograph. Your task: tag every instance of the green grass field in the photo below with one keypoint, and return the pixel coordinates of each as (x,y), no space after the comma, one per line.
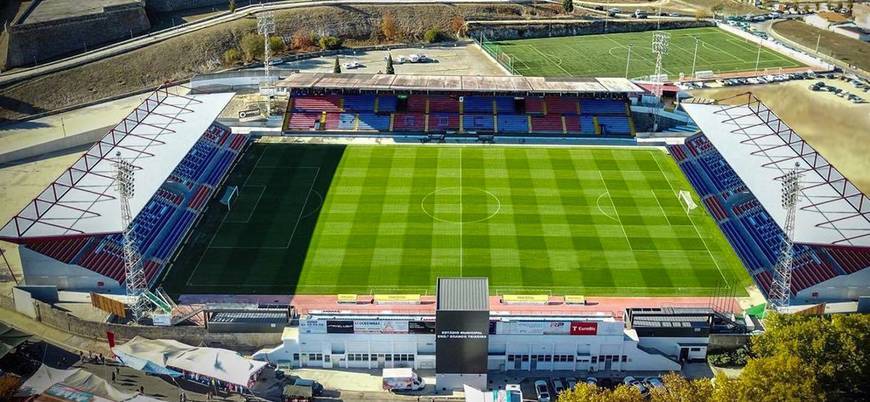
(324,219)
(606,55)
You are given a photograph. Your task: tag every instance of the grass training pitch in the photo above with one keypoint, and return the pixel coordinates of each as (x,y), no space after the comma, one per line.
(327,219)
(606,55)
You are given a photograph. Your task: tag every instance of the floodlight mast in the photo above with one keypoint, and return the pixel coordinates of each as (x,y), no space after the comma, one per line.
(661,42)
(266,26)
(135,272)
(780,292)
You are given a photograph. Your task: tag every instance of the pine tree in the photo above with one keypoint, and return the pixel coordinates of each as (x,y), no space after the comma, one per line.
(232,6)
(568,6)
(390,69)
(337,68)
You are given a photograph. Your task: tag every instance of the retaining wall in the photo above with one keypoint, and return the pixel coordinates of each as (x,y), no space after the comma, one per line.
(778,47)
(544,29)
(29,44)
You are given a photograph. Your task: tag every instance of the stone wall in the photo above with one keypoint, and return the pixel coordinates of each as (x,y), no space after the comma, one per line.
(197,336)
(530,29)
(38,42)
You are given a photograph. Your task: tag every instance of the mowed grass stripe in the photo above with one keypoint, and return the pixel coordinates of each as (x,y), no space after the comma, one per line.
(606,54)
(596,221)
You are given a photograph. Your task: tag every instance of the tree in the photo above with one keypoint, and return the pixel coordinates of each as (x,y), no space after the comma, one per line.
(835,349)
(302,40)
(389,27)
(584,392)
(337,67)
(568,6)
(276,44)
(679,389)
(232,56)
(779,378)
(232,6)
(432,35)
(330,42)
(390,69)
(457,25)
(252,46)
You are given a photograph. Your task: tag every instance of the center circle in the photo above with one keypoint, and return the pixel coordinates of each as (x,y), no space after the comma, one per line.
(460,205)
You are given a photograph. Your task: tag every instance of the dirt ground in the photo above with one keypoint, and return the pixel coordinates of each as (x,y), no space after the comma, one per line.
(202,51)
(851,51)
(835,127)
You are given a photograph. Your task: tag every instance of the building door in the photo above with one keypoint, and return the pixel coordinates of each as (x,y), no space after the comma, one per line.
(381,360)
(534,364)
(518,362)
(684,354)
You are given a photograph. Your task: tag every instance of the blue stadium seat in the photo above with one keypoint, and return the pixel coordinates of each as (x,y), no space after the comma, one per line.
(477,122)
(602,106)
(359,103)
(504,104)
(614,125)
(371,121)
(477,104)
(510,123)
(386,103)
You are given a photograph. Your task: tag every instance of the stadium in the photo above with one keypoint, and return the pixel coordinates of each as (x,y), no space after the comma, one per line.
(217,213)
(527,202)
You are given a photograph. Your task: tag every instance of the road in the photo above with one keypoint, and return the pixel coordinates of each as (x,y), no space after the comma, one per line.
(17,75)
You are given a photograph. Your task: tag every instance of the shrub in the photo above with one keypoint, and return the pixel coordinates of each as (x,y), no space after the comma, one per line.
(252,46)
(302,40)
(432,35)
(276,43)
(232,56)
(232,6)
(457,25)
(330,42)
(568,6)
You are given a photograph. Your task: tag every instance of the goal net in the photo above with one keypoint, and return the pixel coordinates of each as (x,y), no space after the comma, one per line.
(230,195)
(687,201)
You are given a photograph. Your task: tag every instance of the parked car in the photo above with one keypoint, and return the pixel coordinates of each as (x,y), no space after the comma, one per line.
(352,65)
(276,62)
(571,382)
(631,381)
(653,382)
(558,387)
(591,380)
(542,391)
(613,11)
(640,14)
(316,387)
(514,391)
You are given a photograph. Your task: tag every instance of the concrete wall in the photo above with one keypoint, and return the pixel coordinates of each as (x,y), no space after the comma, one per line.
(60,319)
(837,289)
(532,29)
(38,42)
(43,270)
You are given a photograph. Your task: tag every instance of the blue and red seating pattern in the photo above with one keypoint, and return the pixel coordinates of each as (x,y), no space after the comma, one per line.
(562,115)
(164,221)
(749,228)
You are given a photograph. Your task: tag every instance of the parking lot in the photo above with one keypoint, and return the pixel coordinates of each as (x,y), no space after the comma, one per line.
(462,59)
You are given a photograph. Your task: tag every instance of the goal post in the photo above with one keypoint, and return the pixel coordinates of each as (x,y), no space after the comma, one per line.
(687,201)
(229,197)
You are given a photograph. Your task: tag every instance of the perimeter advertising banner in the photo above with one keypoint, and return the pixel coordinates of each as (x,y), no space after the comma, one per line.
(461,342)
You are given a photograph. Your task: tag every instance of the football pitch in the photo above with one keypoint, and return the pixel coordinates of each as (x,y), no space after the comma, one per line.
(327,219)
(606,55)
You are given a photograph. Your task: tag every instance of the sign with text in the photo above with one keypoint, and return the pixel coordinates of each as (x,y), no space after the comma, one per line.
(584,328)
(339,327)
(380,327)
(312,326)
(461,342)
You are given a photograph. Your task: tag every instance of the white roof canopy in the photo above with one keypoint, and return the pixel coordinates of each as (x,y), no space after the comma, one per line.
(154,137)
(221,364)
(761,148)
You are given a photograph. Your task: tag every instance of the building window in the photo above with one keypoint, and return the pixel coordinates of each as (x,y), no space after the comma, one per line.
(695,349)
(525,358)
(510,358)
(351,357)
(296,356)
(624,358)
(594,359)
(410,358)
(570,358)
(548,358)
(388,358)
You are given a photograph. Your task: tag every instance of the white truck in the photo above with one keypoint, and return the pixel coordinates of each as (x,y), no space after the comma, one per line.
(402,379)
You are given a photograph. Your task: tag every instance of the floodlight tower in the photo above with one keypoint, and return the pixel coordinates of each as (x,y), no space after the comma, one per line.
(661,41)
(136,283)
(780,292)
(266,26)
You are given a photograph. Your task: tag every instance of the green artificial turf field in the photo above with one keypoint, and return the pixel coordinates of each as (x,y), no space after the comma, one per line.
(605,55)
(325,219)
